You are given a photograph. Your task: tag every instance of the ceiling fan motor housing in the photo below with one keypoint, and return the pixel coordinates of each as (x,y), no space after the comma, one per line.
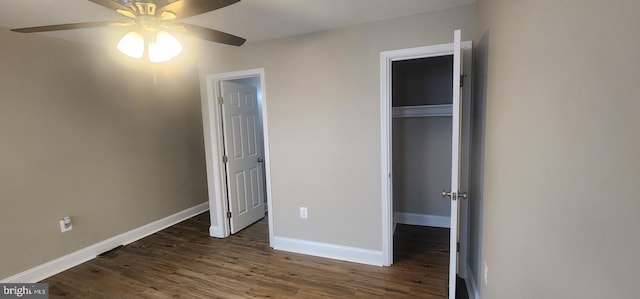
(141,8)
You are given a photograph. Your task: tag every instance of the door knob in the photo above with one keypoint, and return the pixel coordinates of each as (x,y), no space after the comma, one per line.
(447,194)
(260,160)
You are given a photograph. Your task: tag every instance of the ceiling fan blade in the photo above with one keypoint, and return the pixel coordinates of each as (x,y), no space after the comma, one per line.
(112,5)
(188,8)
(63,27)
(212,35)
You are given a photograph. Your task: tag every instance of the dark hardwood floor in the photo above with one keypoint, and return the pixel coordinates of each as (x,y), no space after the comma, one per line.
(184,262)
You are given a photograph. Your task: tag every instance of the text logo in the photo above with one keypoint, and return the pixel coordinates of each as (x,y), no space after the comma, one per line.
(24,290)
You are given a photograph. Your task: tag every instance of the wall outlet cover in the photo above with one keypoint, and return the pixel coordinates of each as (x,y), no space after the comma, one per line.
(303,213)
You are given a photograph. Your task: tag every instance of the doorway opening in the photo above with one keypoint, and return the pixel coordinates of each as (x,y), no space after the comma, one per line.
(421,99)
(430,119)
(237,151)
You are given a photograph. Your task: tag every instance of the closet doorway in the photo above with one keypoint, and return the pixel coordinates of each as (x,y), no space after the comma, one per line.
(421,144)
(425,111)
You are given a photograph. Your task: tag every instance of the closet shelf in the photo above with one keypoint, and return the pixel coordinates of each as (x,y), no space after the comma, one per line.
(423,111)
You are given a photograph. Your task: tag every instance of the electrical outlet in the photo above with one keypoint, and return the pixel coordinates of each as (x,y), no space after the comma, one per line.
(486,273)
(303,213)
(65,224)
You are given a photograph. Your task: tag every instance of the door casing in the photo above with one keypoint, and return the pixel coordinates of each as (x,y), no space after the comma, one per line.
(214,149)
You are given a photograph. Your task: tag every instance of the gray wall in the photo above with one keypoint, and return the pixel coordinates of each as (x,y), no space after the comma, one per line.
(323,104)
(421,165)
(560,202)
(476,159)
(84,136)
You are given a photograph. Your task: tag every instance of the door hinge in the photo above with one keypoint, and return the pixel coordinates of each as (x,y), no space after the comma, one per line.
(225,159)
(220,100)
(462,80)
(229,215)
(458,247)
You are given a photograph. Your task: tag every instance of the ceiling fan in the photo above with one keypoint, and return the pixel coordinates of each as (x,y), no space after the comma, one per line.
(152,25)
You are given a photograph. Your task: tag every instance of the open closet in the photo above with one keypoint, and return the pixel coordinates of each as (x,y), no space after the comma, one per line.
(421,144)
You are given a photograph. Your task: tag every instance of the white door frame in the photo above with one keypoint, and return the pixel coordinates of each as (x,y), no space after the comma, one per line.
(386,58)
(214,147)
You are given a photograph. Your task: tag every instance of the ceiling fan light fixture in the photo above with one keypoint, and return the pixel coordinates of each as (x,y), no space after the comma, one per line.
(132,45)
(156,54)
(164,48)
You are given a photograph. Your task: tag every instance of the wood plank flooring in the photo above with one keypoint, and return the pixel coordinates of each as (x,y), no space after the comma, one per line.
(183,261)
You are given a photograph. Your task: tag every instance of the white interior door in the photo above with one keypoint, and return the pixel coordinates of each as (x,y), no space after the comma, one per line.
(455,194)
(243,148)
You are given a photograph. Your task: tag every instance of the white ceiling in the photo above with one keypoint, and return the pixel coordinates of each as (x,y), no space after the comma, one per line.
(255,20)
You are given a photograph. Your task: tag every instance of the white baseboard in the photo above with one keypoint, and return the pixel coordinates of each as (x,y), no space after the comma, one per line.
(423,219)
(216,232)
(338,252)
(88,253)
(472,287)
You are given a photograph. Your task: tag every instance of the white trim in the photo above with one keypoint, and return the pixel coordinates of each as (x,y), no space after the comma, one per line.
(423,219)
(472,287)
(423,111)
(386,58)
(455,167)
(214,147)
(88,253)
(216,231)
(419,52)
(338,252)
(213,150)
(386,182)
